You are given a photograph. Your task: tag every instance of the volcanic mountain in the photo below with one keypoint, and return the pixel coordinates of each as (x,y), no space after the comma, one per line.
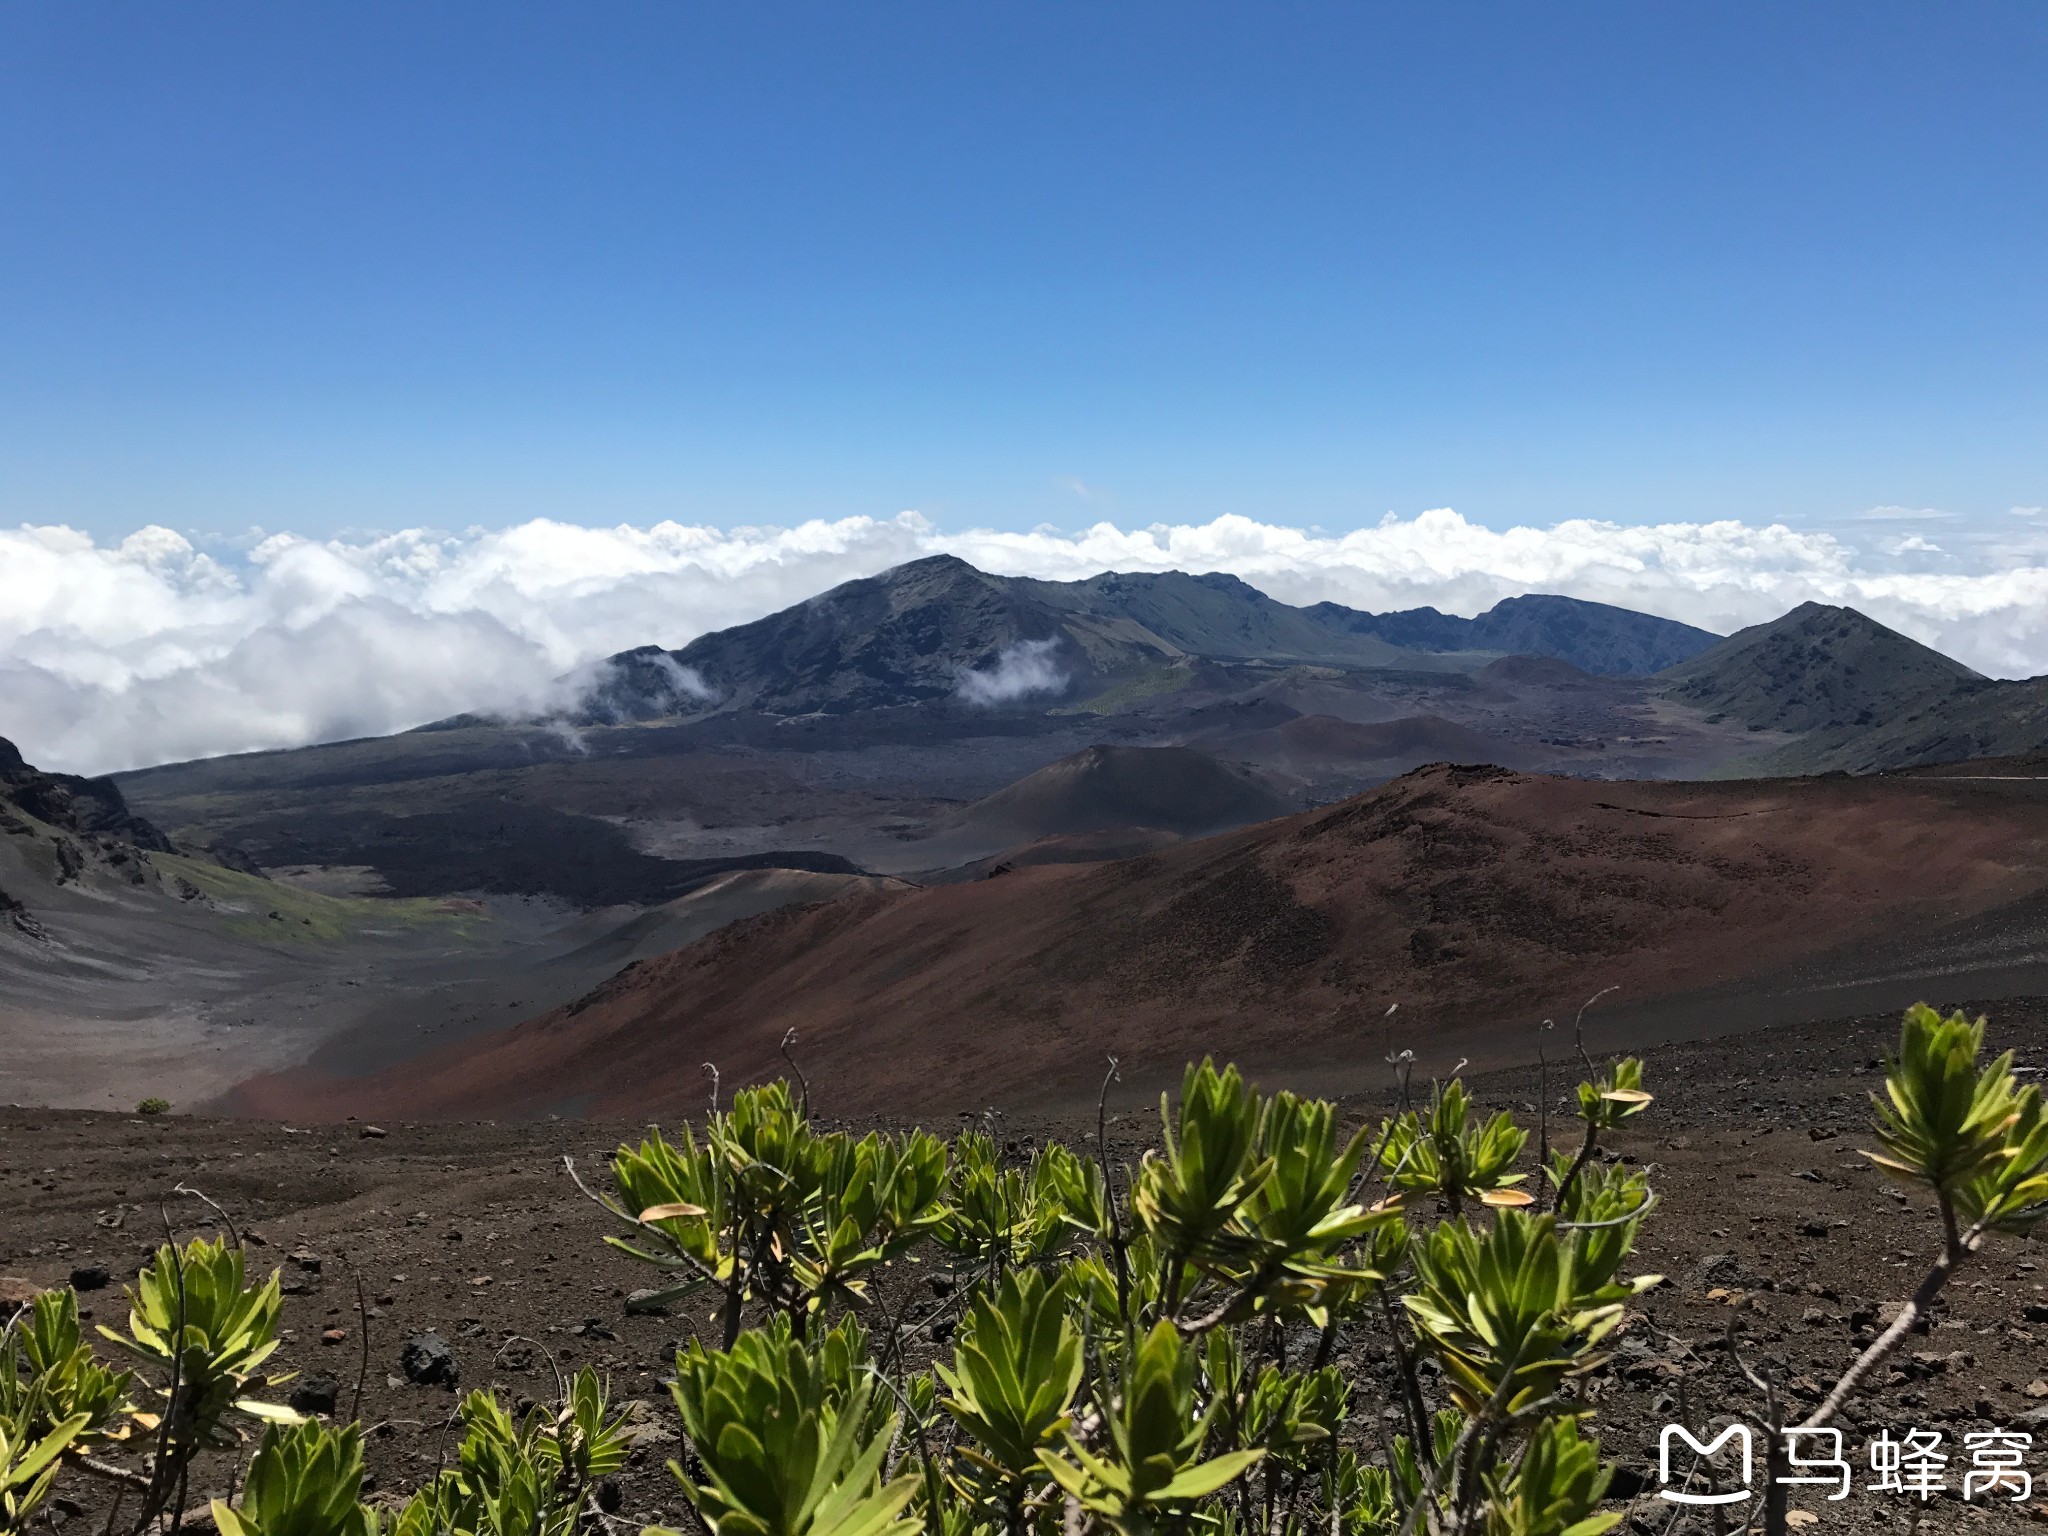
(1171,789)
(1816,669)
(1478,900)
(855,731)
(937,629)
(1859,697)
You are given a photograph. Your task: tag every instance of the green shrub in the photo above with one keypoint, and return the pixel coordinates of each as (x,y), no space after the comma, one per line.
(153,1106)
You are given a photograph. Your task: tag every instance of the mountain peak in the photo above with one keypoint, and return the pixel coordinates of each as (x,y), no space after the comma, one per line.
(923,567)
(1819,667)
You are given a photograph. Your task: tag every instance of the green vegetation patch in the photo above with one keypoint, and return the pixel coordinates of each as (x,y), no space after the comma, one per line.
(1120,696)
(271,910)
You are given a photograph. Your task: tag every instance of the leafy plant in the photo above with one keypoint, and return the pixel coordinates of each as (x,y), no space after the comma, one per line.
(784,1439)
(1014,1375)
(1291,1415)
(996,1217)
(1151,1461)
(49,1375)
(304,1480)
(28,1466)
(499,1486)
(524,1476)
(584,1441)
(1514,1311)
(1605,1104)
(1300,1217)
(1554,1489)
(771,1211)
(1972,1136)
(194,1319)
(1187,1194)
(1449,1157)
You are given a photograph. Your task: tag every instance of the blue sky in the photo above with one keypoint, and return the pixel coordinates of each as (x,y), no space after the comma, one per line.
(322,268)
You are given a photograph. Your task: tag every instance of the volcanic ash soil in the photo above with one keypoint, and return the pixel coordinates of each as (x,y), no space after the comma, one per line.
(1771,1230)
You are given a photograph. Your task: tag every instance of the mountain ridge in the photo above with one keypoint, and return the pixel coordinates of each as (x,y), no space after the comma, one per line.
(1599,638)
(73,803)
(938,629)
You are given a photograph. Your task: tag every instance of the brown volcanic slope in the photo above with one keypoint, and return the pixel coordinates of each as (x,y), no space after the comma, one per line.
(1476,898)
(1176,789)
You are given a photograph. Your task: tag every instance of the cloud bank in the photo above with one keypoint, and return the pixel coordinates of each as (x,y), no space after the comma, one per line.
(151,650)
(1020,671)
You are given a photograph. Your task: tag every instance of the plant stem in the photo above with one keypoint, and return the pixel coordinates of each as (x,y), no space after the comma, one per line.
(1564,1189)
(1960,1246)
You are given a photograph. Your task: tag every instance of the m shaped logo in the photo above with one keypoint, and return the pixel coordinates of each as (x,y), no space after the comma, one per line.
(1676,1432)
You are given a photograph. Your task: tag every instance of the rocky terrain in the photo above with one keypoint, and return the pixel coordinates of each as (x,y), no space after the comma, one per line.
(132,965)
(1772,1232)
(1477,900)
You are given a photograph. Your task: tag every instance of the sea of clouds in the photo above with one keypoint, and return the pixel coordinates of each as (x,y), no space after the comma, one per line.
(152,650)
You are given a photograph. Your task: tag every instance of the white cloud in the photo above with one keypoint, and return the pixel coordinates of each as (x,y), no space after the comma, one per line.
(1903,515)
(148,650)
(1020,671)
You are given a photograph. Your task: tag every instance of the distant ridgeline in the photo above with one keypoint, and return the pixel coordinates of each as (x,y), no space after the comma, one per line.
(1858,696)
(938,629)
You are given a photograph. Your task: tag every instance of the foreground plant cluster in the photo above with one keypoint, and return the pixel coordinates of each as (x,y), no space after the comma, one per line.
(1117,1349)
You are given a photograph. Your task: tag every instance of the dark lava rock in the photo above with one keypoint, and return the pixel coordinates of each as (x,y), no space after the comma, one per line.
(428,1362)
(92,1277)
(1627,1482)
(316,1393)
